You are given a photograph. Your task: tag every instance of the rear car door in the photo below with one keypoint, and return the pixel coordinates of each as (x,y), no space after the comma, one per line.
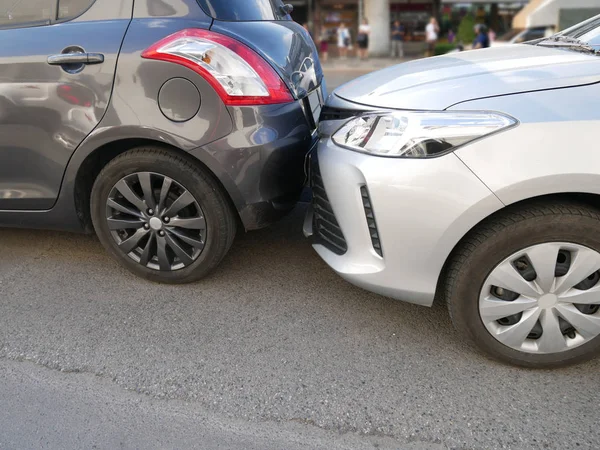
(265,26)
(57,67)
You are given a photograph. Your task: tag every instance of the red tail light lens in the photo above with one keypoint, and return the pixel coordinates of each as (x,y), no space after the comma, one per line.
(238,74)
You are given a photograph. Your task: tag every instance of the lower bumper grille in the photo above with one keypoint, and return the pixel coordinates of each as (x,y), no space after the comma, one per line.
(326,229)
(373,232)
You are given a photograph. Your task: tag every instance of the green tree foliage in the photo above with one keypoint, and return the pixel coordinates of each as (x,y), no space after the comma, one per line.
(466,32)
(443,47)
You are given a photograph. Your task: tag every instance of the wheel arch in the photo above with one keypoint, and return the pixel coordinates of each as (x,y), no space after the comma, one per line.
(581,198)
(95,160)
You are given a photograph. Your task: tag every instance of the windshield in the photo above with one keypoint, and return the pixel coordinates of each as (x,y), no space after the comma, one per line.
(244,10)
(509,34)
(587,32)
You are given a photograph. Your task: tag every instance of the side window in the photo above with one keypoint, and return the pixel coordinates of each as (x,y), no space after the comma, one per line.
(69,9)
(14,13)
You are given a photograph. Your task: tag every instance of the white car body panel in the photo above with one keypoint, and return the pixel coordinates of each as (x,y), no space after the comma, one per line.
(440,82)
(549,152)
(423,207)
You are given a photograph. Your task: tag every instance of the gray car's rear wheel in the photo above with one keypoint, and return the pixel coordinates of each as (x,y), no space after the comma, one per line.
(525,286)
(161,216)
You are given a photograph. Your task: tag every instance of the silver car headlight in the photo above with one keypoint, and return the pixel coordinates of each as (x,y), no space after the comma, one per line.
(417,134)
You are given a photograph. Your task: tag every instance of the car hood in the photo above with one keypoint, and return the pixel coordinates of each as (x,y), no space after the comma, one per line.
(440,82)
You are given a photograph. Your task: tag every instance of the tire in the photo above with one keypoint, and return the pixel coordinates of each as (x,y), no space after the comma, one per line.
(210,241)
(515,230)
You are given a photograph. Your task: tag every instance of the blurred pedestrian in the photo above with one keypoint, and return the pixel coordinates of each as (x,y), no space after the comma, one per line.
(491,36)
(431,35)
(343,40)
(451,36)
(324,44)
(362,39)
(397,40)
(481,39)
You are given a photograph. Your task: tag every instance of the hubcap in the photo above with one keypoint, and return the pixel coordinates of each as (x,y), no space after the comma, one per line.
(544,299)
(156,221)
(548,301)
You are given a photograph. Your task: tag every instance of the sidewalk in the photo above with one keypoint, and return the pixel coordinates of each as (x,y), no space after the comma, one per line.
(354,64)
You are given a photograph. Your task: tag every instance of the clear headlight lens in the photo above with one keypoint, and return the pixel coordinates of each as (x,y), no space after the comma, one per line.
(417,134)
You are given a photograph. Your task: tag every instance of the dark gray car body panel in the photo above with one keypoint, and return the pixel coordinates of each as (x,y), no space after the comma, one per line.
(256,153)
(41,123)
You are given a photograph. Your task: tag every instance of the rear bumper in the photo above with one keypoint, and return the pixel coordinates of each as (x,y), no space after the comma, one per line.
(261,163)
(287,178)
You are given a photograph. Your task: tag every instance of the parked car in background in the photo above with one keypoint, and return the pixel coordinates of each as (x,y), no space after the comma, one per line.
(540,19)
(473,178)
(517,36)
(163,126)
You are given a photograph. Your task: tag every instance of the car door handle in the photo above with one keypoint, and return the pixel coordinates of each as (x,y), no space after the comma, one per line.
(75,58)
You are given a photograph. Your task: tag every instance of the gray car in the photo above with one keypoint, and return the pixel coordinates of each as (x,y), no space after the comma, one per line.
(163,126)
(474,178)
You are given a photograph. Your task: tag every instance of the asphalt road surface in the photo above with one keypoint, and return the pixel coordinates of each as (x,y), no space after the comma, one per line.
(272,351)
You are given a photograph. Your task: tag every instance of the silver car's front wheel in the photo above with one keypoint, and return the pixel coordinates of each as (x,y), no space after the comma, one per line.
(544,299)
(525,285)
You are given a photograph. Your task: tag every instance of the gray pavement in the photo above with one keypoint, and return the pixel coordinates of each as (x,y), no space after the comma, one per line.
(338,71)
(49,409)
(272,351)
(353,63)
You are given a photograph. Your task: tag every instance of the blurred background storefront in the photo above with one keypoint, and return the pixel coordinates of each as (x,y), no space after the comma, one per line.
(505,18)
(496,15)
(414,14)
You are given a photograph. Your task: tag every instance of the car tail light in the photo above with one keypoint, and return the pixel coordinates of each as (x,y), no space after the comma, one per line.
(238,74)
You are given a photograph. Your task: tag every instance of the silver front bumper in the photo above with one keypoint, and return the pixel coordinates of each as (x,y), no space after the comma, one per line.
(422,209)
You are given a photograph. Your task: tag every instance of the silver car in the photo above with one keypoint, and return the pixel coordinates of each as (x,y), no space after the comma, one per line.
(473,178)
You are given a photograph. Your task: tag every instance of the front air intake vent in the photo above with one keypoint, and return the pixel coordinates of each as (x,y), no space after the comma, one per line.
(327,231)
(373,232)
